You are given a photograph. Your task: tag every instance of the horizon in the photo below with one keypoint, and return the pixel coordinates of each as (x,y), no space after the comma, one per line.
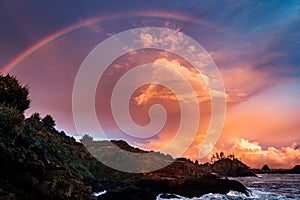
(78,138)
(253,44)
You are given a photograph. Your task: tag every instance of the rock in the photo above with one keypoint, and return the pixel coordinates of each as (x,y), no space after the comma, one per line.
(149,188)
(294,170)
(233,168)
(265,168)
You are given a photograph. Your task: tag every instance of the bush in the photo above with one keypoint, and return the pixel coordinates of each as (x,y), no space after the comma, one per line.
(12,94)
(61,185)
(34,122)
(11,120)
(48,122)
(87,140)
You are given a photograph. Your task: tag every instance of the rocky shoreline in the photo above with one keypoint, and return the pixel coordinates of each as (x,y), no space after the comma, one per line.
(48,164)
(267,170)
(149,188)
(40,162)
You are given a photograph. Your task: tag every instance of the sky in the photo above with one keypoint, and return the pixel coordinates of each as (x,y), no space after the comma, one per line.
(254,45)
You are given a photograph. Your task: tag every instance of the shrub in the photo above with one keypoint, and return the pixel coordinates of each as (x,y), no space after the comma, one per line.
(61,185)
(48,122)
(13,94)
(11,120)
(34,122)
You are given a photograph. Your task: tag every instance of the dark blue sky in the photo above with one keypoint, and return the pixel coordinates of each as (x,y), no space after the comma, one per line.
(25,22)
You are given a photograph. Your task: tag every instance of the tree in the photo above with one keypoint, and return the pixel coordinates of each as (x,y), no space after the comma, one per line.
(217,156)
(213,158)
(222,155)
(34,121)
(48,122)
(233,157)
(13,94)
(87,140)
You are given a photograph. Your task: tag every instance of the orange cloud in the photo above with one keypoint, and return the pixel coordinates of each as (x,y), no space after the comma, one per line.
(258,108)
(253,154)
(268,117)
(241,82)
(197,80)
(244,81)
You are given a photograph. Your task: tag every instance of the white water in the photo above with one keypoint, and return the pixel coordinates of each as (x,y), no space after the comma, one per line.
(266,186)
(99,193)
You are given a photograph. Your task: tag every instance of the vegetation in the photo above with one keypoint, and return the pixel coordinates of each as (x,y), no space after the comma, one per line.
(87,139)
(220,156)
(40,162)
(11,120)
(13,94)
(61,186)
(48,122)
(37,161)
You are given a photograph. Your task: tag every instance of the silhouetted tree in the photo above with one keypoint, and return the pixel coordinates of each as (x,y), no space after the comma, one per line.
(48,122)
(231,156)
(87,140)
(222,155)
(213,158)
(13,94)
(217,156)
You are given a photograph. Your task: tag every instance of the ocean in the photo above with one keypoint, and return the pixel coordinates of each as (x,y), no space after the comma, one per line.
(265,186)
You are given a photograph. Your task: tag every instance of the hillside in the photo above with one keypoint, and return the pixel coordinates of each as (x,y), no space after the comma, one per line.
(40,162)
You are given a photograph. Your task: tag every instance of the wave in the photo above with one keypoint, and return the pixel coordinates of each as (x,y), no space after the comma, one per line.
(233,195)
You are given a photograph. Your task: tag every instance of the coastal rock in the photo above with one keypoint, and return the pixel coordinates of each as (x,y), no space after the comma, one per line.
(294,170)
(149,188)
(265,168)
(233,168)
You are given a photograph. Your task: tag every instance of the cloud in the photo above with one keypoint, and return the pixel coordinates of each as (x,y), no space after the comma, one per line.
(194,78)
(147,39)
(161,141)
(246,145)
(268,117)
(253,154)
(242,82)
(249,152)
(165,39)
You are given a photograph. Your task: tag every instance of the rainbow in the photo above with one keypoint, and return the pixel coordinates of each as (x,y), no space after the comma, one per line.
(56,35)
